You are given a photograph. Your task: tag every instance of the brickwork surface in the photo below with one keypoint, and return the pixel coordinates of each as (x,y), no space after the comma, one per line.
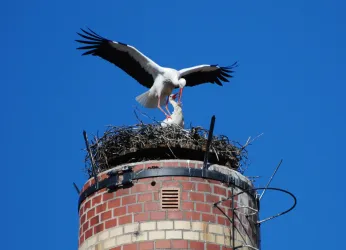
(132,218)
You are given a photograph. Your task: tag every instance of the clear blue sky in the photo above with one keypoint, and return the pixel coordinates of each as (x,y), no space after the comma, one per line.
(290,85)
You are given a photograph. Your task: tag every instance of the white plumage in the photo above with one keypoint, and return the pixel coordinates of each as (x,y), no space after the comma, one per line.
(177,117)
(160,80)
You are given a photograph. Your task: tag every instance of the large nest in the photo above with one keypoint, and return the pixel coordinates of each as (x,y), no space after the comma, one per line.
(142,142)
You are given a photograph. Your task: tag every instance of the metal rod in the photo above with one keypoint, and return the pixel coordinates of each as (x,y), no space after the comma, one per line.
(230,219)
(233,243)
(93,164)
(76,187)
(244,228)
(270,180)
(269,188)
(210,137)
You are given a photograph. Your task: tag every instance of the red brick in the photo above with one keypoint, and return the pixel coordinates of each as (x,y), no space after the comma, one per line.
(91,213)
(222,220)
(98,228)
(203,207)
(130,247)
(87,205)
(88,233)
(163,244)
(135,208)
(82,219)
(192,216)
(144,180)
(146,245)
(128,199)
(164,178)
(106,215)
(141,217)
(151,206)
(185,196)
(217,211)
(119,211)
(170,184)
(111,223)
(213,246)
(139,188)
(107,196)
(156,196)
(181,178)
(179,244)
(121,192)
(156,187)
(96,200)
(157,215)
(227,203)
(114,203)
(195,245)
(229,212)
(94,220)
(100,208)
(190,186)
(187,205)
(209,218)
(145,197)
(174,215)
(202,187)
(220,190)
(85,226)
(125,219)
(212,198)
(196,196)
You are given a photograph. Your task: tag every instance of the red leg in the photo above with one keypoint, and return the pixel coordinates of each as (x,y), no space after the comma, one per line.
(158,105)
(167,106)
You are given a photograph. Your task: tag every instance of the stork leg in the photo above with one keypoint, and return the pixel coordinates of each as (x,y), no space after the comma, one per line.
(158,105)
(180,94)
(167,106)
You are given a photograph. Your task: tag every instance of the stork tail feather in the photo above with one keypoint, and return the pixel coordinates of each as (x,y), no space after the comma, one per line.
(149,101)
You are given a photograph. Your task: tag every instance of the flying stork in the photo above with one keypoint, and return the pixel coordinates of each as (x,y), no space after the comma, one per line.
(160,80)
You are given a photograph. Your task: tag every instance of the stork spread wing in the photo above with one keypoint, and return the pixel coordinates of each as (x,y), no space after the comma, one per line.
(207,73)
(126,57)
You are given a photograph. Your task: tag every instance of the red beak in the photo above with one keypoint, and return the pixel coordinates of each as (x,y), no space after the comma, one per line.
(175,96)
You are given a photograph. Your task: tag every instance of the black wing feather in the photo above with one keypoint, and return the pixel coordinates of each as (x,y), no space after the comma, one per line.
(103,48)
(217,76)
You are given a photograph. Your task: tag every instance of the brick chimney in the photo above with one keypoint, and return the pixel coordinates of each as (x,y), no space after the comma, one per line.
(168,204)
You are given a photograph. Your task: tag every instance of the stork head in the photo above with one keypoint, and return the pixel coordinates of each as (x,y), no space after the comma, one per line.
(182,82)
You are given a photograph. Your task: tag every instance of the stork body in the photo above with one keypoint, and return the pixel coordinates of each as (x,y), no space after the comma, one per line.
(177,117)
(163,86)
(160,80)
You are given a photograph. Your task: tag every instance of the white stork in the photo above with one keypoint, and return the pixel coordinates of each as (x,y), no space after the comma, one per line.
(177,116)
(160,80)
